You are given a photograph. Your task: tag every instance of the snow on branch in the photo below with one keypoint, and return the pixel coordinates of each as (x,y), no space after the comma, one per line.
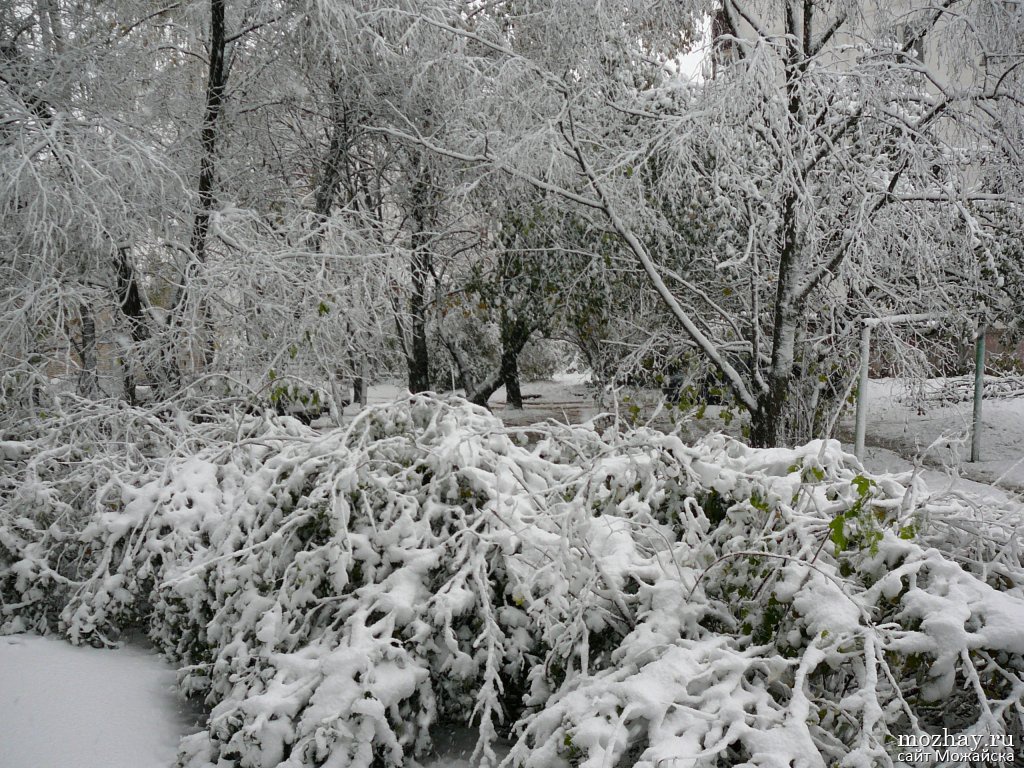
(601,598)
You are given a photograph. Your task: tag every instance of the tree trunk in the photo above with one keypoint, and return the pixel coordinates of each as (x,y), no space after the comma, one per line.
(510,378)
(88,384)
(331,169)
(215,89)
(768,424)
(359,386)
(514,335)
(418,357)
(358,366)
(483,393)
(768,421)
(130,299)
(466,378)
(331,176)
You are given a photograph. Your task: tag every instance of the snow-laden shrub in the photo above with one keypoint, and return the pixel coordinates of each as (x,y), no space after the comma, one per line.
(960,389)
(62,474)
(284,394)
(609,599)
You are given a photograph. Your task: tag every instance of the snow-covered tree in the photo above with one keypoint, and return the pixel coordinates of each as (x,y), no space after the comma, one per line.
(832,169)
(85,187)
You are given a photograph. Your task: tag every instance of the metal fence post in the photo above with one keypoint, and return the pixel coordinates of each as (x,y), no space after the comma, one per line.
(979,391)
(862,392)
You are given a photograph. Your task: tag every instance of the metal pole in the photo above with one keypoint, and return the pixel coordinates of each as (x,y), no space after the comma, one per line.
(862,392)
(979,390)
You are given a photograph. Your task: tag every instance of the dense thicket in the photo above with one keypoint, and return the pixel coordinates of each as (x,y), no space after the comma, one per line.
(603,599)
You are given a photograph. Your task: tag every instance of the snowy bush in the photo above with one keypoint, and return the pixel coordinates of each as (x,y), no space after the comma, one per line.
(604,599)
(287,395)
(960,389)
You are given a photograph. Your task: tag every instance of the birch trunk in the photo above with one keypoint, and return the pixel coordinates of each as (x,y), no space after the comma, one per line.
(88,384)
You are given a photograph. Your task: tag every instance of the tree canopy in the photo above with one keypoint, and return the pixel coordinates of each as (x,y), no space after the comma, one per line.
(304,190)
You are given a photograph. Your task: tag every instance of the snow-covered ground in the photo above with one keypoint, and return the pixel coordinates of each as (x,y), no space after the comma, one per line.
(940,433)
(68,707)
(568,397)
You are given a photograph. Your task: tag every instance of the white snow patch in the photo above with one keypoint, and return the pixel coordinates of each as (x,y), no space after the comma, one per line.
(66,706)
(941,432)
